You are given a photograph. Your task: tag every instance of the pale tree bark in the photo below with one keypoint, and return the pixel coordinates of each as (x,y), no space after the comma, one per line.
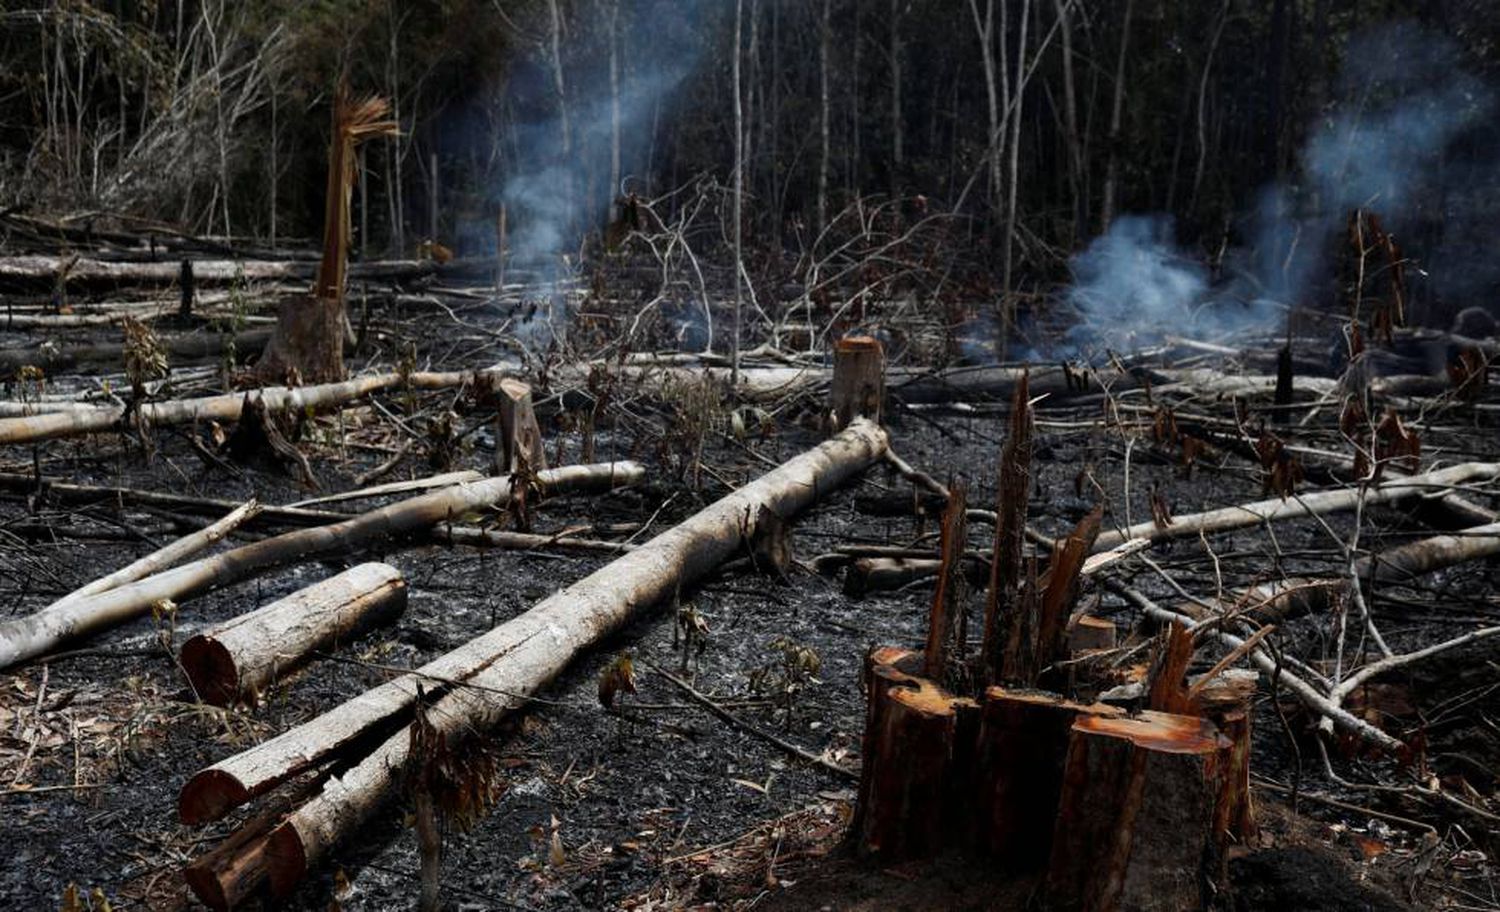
(1117,111)
(984,26)
(1070,119)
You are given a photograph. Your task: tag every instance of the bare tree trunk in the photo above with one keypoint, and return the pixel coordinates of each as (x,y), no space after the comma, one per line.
(825,50)
(1208,62)
(613,16)
(984,26)
(898,127)
(558,82)
(1014,113)
(739,187)
(1117,111)
(1070,120)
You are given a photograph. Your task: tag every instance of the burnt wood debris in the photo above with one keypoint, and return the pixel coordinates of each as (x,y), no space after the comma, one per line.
(773,454)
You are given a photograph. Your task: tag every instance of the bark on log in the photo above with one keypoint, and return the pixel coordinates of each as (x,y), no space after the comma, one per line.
(54,358)
(1317,502)
(523,655)
(22,273)
(1023,742)
(219,408)
(235,661)
(168,556)
(32,635)
(517,436)
(516,658)
(858,387)
(1134,827)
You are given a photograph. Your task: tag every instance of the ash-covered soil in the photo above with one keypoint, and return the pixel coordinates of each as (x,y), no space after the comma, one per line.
(665,805)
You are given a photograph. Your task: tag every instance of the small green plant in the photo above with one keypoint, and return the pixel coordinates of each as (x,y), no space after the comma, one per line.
(789,669)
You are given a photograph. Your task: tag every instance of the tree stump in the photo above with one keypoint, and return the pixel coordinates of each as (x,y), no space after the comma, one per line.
(858,387)
(517,435)
(1091,633)
(1023,742)
(1135,819)
(1225,701)
(917,762)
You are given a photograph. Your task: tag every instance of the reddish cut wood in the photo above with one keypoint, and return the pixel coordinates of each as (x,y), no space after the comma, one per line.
(918,743)
(1023,742)
(1134,827)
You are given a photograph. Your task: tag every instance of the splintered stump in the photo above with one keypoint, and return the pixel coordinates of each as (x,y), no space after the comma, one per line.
(858,387)
(1023,742)
(917,748)
(1135,819)
(235,661)
(517,436)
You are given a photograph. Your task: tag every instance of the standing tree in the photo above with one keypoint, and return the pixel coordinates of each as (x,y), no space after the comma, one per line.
(308,343)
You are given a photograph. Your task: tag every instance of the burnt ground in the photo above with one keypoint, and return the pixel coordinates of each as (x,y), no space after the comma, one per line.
(667,806)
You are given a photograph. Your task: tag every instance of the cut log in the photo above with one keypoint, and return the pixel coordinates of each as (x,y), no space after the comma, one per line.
(55,359)
(1244,516)
(1023,742)
(444,480)
(1091,633)
(523,655)
(917,762)
(234,662)
(513,660)
(23,273)
(858,387)
(75,422)
(1135,820)
(883,574)
(517,436)
(32,635)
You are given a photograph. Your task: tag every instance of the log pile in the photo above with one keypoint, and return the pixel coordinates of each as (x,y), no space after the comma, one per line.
(475,686)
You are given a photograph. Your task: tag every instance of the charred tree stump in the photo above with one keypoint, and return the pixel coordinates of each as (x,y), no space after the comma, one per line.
(1023,742)
(518,438)
(1134,828)
(235,661)
(858,388)
(258,442)
(185,306)
(918,746)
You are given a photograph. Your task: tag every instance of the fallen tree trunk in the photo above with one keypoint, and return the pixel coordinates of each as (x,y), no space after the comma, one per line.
(1227,519)
(54,358)
(233,662)
(225,408)
(46,272)
(168,556)
(508,664)
(30,636)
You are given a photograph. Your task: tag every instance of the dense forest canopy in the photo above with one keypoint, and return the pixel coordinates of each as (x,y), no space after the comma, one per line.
(1237,135)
